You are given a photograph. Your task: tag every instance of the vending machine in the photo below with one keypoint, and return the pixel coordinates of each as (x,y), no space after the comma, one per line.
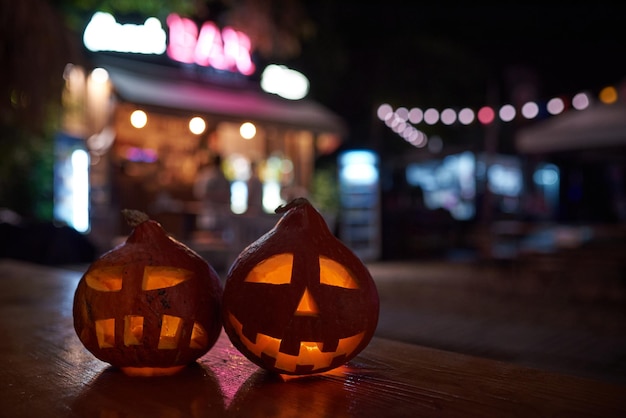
(71,182)
(360,213)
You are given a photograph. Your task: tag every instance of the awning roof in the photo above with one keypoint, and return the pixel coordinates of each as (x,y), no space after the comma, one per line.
(245,104)
(598,126)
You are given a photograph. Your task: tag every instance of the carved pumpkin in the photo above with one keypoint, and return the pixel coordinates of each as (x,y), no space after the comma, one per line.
(298,301)
(149,306)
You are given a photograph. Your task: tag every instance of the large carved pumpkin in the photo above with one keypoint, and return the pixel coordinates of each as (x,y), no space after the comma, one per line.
(298,301)
(149,306)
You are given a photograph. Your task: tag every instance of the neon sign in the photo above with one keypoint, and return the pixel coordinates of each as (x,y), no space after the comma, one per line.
(103,33)
(285,82)
(225,49)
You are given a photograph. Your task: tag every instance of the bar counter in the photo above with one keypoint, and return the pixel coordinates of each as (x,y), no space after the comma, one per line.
(46,372)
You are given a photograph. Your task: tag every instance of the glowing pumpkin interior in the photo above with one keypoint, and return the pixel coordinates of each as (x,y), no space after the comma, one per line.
(277,270)
(109,279)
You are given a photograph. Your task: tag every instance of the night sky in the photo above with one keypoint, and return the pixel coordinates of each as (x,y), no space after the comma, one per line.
(411,53)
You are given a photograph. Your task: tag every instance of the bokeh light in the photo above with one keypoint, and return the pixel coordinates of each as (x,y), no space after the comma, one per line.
(402,113)
(100,75)
(435,144)
(138,119)
(384,111)
(197,125)
(416,115)
(247,130)
(466,116)
(507,113)
(448,116)
(486,115)
(555,106)
(580,101)
(431,116)
(530,110)
(608,95)
(402,120)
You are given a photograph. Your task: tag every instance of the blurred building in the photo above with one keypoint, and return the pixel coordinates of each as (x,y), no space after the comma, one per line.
(561,186)
(151,115)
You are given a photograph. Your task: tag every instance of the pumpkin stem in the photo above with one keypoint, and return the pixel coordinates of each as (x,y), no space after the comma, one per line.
(134,217)
(298,201)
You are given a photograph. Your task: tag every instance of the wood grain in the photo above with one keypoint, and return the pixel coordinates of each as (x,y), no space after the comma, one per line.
(46,372)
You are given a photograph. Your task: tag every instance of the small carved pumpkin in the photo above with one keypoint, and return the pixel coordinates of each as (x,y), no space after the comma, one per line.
(298,301)
(149,306)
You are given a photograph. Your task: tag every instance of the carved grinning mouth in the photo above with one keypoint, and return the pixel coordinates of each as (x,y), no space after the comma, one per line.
(311,357)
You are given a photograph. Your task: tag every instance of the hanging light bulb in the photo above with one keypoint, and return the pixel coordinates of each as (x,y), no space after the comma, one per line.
(247,130)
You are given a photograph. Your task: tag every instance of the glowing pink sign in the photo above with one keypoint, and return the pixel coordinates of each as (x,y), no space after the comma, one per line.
(225,49)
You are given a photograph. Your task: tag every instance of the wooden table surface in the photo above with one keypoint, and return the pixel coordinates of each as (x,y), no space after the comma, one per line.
(46,372)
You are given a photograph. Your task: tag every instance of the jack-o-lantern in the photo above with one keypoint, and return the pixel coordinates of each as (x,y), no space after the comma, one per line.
(151,305)
(298,301)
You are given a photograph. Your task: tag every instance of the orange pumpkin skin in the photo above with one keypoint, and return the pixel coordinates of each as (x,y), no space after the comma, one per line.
(282,308)
(150,306)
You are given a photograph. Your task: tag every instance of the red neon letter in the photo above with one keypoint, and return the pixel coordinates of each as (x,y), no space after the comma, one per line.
(209,50)
(237,51)
(183,39)
(226,50)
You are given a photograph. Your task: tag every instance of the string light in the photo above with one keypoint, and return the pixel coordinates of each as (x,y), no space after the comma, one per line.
(555,106)
(608,95)
(530,110)
(403,119)
(486,115)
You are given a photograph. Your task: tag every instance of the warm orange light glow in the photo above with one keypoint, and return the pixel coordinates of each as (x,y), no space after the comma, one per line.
(159,277)
(274,270)
(100,75)
(247,130)
(151,371)
(608,95)
(334,274)
(133,330)
(278,268)
(105,279)
(310,353)
(199,337)
(197,125)
(338,372)
(138,119)
(170,332)
(307,305)
(327,143)
(105,332)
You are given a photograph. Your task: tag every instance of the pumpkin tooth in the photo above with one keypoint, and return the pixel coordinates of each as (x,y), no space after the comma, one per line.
(290,346)
(309,357)
(330,345)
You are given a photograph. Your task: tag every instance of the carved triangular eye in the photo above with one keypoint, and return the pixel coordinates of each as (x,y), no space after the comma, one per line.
(273,270)
(334,274)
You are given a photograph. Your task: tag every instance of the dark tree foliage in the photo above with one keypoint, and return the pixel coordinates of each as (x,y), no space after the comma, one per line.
(34,48)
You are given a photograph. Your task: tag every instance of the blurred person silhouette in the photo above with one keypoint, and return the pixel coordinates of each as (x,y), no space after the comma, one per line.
(212,188)
(255,191)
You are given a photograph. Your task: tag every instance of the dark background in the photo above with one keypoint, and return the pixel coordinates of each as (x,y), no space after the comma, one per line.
(446,54)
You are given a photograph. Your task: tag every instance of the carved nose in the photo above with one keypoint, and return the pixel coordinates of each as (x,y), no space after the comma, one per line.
(307,305)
